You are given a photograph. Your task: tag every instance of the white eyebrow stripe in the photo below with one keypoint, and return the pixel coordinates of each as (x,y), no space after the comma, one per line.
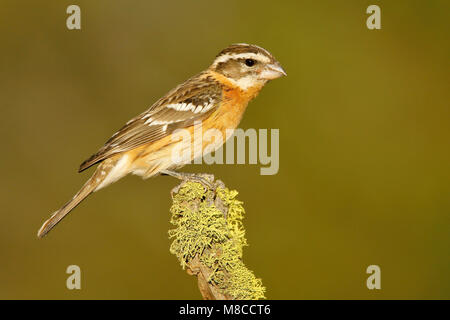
(247,45)
(247,55)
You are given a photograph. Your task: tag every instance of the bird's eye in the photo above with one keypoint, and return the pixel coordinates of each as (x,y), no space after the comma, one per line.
(250,62)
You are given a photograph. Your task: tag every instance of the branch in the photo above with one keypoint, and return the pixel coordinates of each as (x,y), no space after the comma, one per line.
(208,240)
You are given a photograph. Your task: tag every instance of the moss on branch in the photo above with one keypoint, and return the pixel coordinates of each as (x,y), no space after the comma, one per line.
(208,239)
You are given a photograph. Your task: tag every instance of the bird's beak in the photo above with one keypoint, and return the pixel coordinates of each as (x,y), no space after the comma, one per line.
(272,71)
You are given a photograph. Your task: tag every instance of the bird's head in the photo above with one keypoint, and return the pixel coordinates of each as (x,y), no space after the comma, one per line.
(247,65)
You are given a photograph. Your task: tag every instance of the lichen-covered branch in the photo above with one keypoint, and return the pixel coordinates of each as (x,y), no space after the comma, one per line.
(208,239)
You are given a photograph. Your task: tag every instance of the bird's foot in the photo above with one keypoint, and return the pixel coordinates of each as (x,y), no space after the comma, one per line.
(206,180)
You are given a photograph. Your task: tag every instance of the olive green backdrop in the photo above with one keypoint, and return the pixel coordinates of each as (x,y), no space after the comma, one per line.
(364,123)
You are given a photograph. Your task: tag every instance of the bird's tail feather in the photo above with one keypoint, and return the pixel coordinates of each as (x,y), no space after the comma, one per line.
(58,215)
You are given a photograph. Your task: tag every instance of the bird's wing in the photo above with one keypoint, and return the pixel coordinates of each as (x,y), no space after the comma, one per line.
(191,101)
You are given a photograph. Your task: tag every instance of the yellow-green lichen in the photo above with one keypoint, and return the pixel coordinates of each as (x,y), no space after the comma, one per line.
(203,230)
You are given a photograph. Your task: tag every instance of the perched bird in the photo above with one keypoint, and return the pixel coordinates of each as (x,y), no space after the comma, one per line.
(216,97)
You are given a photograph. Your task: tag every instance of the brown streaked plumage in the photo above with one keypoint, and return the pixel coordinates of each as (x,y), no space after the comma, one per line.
(216,97)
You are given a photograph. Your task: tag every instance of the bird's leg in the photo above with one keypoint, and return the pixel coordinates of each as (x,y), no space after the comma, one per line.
(190,176)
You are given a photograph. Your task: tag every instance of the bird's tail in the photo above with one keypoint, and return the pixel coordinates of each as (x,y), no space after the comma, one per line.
(90,186)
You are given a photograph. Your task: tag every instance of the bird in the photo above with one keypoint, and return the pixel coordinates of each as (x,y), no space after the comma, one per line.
(216,97)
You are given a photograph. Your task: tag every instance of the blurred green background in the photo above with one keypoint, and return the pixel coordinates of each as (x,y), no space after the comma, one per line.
(364,123)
